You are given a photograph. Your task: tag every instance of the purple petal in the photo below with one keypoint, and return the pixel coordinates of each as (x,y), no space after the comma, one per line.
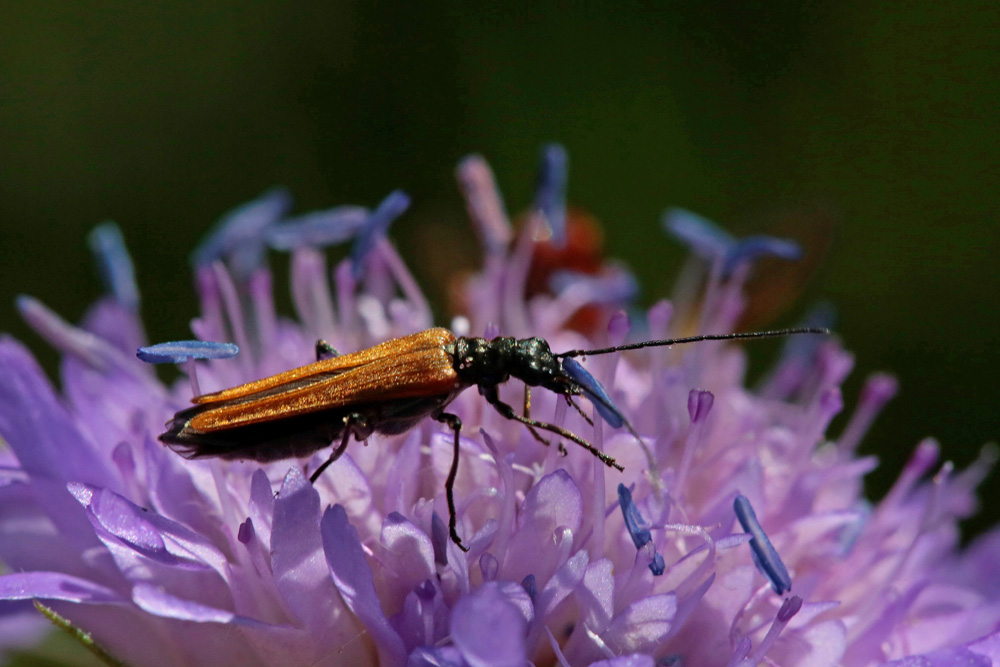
(297,553)
(554,503)
(353,578)
(484,203)
(642,624)
(949,657)
(489,629)
(54,586)
(156,601)
(444,656)
(520,597)
(409,555)
(634,660)
(596,595)
(119,522)
(177,352)
(38,428)
(111,321)
(261,505)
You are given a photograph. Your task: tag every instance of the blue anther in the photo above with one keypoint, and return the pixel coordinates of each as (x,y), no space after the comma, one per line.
(613,288)
(530,587)
(240,234)
(550,194)
(595,392)
(439,539)
(393,206)
(177,352)
(115,264)
(710,241)
(633,520)
(765,557)
(319,229)
(635,525)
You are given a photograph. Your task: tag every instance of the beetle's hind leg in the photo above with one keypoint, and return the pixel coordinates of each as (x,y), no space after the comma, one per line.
(354,424)
(455,424)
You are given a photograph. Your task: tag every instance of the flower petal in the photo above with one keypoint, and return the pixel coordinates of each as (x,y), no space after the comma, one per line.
(489,629)
(642,624)
(353,578)
(54,586)
(156,601)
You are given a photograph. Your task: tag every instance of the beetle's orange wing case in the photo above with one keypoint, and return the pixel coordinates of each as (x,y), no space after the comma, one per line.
(393,376)
(322,371)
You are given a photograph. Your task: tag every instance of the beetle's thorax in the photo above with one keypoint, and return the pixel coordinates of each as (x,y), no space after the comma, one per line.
(492,362)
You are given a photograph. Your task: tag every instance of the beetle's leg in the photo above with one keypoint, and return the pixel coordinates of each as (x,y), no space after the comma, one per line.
(534,433)
(490,394)
(583,414)
(324,350)
(455,424)
(352,423)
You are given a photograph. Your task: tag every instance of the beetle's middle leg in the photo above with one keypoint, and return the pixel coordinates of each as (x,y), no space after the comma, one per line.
(354,424)
(455,424)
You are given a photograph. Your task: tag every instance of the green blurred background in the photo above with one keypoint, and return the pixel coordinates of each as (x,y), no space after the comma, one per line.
(162,116)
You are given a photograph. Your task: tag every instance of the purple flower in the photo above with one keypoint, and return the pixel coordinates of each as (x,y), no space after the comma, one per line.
(167,561)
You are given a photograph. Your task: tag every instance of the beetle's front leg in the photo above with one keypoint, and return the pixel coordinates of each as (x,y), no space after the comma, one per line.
(531,429)
(505,410)
(455,424)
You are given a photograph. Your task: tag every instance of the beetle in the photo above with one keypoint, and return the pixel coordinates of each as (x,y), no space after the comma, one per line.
(388,389)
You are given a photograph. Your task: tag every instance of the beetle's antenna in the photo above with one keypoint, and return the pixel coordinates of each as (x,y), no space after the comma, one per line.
(777,333)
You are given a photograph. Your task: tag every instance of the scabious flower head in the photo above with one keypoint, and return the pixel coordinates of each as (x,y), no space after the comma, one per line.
(737,534)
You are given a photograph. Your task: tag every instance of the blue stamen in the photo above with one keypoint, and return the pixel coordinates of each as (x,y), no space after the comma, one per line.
(612,288)
(319,229)
(115,264)
(439,539)
(425,590)
(393,206)
(635,525)
(633,520)
(239,235)
(700,402)
(530,587)
(765,557)
(550,194)
(594,391)
(821,315)
(177,352)
(711,242)
(246,531)
(658,566)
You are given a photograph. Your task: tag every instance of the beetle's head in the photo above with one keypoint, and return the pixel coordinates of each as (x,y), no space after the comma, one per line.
(492,362)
